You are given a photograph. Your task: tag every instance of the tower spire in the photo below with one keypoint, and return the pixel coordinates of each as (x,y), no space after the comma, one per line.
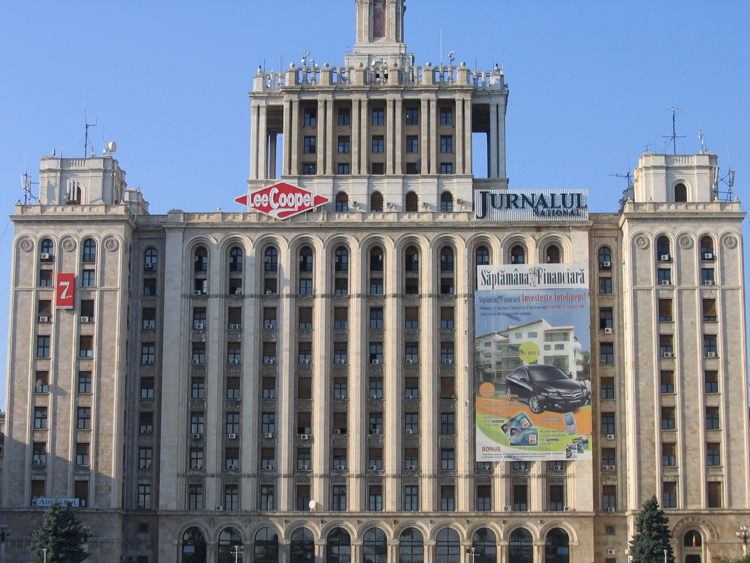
(380,34)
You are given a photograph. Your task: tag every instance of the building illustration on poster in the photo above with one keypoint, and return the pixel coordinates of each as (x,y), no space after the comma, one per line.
(532,363)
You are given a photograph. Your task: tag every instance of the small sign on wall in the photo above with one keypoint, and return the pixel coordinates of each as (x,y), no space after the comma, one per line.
(65,291)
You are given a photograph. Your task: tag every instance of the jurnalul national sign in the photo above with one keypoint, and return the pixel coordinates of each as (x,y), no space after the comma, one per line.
(531,205)
(532,362)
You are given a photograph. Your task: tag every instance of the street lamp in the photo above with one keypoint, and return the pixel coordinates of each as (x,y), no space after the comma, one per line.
(665,556)
(743,534)
(472,552)
(44,552)
(237,550)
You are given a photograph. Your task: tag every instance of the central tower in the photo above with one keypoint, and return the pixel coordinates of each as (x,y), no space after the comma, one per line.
(380,34)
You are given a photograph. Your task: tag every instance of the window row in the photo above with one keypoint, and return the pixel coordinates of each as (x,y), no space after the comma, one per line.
(47,251)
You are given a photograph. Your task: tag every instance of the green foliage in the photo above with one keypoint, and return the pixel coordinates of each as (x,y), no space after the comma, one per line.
(585,363)
(61,534)
(652,535)
(561,362)
(724,559)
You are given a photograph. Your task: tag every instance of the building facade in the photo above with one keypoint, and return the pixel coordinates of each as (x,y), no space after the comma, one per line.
(303,389)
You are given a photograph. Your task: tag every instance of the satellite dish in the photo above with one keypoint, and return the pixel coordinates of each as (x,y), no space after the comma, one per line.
(38,382)
(111,146)
(312,505)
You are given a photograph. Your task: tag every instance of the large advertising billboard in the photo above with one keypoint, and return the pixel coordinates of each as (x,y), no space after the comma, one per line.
(532,362)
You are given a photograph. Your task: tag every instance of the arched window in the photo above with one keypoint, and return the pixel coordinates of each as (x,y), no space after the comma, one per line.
(302,548)
(605,258)
(692,538)
(342,202)
(271,259)
(412,202)
(376,202)
(266,548)
(201,259)
(663,250)
(446,202)
(552,254)
(411,547)
(193,546)
(483,256)
(520,546)
(338,547)
(680,193)
(375,546)
(707,248)
(46,248)
(306,259)
(448,546)
(235,259)
(151,259)
(89,251)
(341,260)
(557,546)
(228,539)
(518,255)
(446,259)
(485,546)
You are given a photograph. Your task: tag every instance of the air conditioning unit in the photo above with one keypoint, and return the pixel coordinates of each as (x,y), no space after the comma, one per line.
(197,292)
(268,468)
(409,431)
(376,362)
(86,319)
(506,508)
(37,462)
(148,267)
(304,436)
(373,468)
(340,361)
(219,508)
(337,431)
(197,436)
(374,431)
(232,436)
(611,509)
(608,467)
(341,467)
(373,395)
(269,292)
(234,362)
(148,362)
(709,282)
(664,258)
(409,397)
(269,361)
(305,361)
(611,551)
(304,468)
(269,326)
(268,435)
(448,362)
(44,319)
(238,291)
(198,467)
(712,355)
(708,255)
(665,282)
(45,256)
(411,468)
(566,509)
(196,361)
(667,355)
(608,330)
(409,361)
(606,264)
(610,436)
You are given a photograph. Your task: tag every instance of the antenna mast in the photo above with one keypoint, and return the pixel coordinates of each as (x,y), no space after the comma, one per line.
(674,136)
(728,180)
(26,183)
(86,122)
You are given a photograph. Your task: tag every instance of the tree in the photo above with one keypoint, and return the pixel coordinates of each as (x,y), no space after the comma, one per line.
(652,536)
(585,363)
(61,534)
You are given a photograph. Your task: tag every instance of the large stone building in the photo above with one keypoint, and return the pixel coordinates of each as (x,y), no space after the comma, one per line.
(304,388)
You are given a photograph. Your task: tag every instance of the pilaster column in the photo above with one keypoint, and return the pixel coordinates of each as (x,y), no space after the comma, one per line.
(399,134)
(320,550)
(330,138)
(502,550)
(429,551)
(254,148)
(390,136)
(355,136)
(357,551)
(501,141)
(294,148)
(539,551)
(365,138)
(263,143)
(392,556)
(286,154)
(320,141)
(284,550)
(210,551)
(459,136)
(434,138)
(272,166)
(424,137)
(468,168)
(492,163)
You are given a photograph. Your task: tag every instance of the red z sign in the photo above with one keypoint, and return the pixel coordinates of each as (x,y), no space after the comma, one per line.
(65,290)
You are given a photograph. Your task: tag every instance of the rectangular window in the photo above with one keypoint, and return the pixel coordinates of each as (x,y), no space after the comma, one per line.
(446,116)
(375,498)
(233,387)
(412,144)
(714,494)
(196,459)
(305,287)
(447,459)
(520,497)
(447,318)
(45,278)
(304,388)
(376,317)
(341,318)
(195,497)
(668,455)
(145,458)
(411,352)
(411,459)
(144,496)
(305,318)
(376,423)
(83,420)
(267,503)
(446,143)
(309,145)
(608,388)
(147,388)
(556,465)
(707,276)
(268,423)
(608,457)
(447,423)
(82,454)
(42,346)
(309,169)
(344,145)
(146,423)
(713,454)
(709,310)
(711,382)
(199,318)
(345,117)
(411,388)
(667,418)
(484,498)
(608,423)
(411,498)
(447,498)
(412,116)
(343,168)
(447,353)
(234,353)
(231,497)
(556,498)
(304,355)
(378,144)
(148,319)
(303,498)
(609,497)
(669,498)
(340,355)
(666,346)
(267,459)
(340,388)
(233,423)
(712,418)
(605,318)
(607,350)
(665,310)
(303,459)
(378,116)
(664,276)
(605,286)
(339,497)
(447,388)
(411,317)
(149,287)
(199,353)
(411,423)
(446,168)
(310,117)
(197,423)
(88,278)
(148,353)
(667,382)
(710,348)
(84,382)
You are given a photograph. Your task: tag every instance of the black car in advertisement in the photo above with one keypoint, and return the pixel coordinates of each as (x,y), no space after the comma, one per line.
(545,387)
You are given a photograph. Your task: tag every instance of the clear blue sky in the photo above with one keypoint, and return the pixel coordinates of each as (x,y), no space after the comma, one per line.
(589,83)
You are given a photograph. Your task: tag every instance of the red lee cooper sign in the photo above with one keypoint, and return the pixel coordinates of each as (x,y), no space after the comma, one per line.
(65,291)
(282,200)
